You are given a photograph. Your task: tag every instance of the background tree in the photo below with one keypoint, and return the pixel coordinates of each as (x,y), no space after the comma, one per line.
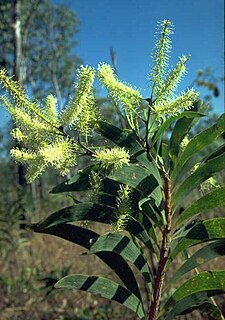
(37,43)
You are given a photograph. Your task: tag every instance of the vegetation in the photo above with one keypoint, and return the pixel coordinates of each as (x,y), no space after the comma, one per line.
(138,188)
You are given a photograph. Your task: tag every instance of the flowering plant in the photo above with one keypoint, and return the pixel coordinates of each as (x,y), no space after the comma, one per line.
(137,186)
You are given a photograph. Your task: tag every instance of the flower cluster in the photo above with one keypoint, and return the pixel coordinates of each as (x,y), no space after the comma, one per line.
(42,131)
(163,85)
(123,207)
(38,132)
(112,158)
(128,97)
(183,102)
(209,184)
(60,155)
(82,112)
(161,55)
(184,143)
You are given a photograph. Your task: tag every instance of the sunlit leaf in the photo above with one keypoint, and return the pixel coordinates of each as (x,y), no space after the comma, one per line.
(199,142)
(212,229)
(105,288)
(126,248)
(212,200)
(201,174)
(206,284)
(211,251)
(83,237)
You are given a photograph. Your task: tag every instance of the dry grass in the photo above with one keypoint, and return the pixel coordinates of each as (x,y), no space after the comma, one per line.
(22,296)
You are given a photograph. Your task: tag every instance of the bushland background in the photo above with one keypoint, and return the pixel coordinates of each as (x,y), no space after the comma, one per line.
(40,47)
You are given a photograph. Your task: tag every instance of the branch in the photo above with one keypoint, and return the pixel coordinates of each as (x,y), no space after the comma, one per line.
(164,252)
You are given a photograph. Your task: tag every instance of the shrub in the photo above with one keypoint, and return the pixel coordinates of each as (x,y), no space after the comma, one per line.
(137,182)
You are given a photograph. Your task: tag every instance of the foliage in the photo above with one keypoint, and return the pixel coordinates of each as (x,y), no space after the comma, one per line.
(48,63)
(137,187)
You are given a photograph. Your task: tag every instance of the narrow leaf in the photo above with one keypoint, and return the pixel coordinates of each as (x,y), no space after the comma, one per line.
(180,130)
(140,179)
(166,124)
(200,141)
(212,229)
(212,200)
(77,212)
(91,212)
(199,301)
(209,283)
(79,182)
(105,288)
(126,248)
(83,237)
(211,251)
(201,174)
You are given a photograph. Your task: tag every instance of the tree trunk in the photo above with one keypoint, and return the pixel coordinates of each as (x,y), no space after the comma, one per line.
(17,68)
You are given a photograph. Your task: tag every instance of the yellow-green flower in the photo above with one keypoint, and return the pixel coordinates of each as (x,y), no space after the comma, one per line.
(82,112)
(119,92)
(183,102)
(112,158)
(123,208)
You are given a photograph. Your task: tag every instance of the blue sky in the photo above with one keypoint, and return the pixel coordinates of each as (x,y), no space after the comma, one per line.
(129,27)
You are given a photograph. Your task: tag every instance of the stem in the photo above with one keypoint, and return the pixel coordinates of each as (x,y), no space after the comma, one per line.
(147,125)
(164,252)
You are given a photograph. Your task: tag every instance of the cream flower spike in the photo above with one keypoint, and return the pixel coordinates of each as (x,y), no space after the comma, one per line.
(112,158)
(119,92)
(82,112)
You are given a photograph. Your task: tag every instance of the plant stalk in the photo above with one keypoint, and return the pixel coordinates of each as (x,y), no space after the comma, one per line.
(164,252)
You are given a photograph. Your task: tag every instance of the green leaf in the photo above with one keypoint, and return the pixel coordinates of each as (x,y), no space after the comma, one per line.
(143,229)
(77,212)
(126,248)
(211,200)
(211,251)
(93,212)
(83,237)
(209,283)
(212,229)
(216,153)
(140,179)
(201,174)
(180,130)
(166,124)
(105,288)
(199,301)
(79,182)
(199,142)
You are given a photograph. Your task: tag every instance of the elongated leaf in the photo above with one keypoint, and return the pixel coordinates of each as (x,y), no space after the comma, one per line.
(212,229)
(83,237)
(79,182)
(126,248)
(170,120)
(211,251)
(212,200)
(93,212)
(199,301)
(200,141)
(180,130)
(140,179)
(105,288)
(142,229)
(216,153)
(201,174)
(81,211)
(209,283)
(126,140)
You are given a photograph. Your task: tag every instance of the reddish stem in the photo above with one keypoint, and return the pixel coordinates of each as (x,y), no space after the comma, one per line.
(164,252)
